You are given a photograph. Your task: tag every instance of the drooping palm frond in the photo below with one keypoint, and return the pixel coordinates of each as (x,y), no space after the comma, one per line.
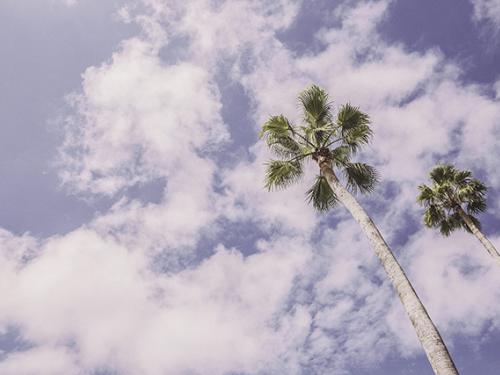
(433,216)
(321,195)
(449,224)
(475,206)
(282,173)
(354,127)
(360,177)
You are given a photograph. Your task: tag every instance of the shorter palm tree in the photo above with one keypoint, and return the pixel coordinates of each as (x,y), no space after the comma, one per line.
(452,202)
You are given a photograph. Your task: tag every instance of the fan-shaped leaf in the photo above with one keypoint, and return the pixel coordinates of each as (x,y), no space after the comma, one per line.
(316,106)
(282,173)
(321,195)
(284,146)
(276,126)
(426,195)
(449,224)
(340,156)
(433,216)
(360,176)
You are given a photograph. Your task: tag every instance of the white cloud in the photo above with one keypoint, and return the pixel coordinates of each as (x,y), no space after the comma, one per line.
(487,10)
(309,296)
(105,301)
(138,120)
(41,361)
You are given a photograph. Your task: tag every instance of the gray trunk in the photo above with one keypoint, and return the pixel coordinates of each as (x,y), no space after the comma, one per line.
(480,236)
(431,340)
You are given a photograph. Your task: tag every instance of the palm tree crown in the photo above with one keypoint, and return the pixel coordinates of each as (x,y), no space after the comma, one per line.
(453,194)
(321,135)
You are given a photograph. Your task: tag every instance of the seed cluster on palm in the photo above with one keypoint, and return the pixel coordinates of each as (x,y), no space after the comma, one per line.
(331,142)
(453,201)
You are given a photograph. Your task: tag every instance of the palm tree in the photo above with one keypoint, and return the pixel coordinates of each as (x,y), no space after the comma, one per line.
(452,201)
(330,142)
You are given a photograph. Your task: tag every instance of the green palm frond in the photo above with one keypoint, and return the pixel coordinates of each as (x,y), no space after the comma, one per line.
(475,206)
(354,126)
(284,146)
(321,195)
(276,126)
(449,224)
(340,156)
(350,117)
(443,173)
(360,177)
(282,173)
(426,195)
(472,192)
(462,177)
(316,106)
(433,216)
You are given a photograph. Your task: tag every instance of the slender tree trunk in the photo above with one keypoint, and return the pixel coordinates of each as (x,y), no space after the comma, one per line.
(431,340)
(480,236)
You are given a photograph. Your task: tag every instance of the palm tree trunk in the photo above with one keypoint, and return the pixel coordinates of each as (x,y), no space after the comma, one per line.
(480,236)
(431,340)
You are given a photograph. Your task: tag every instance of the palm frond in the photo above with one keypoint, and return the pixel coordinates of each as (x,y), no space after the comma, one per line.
(475,206)
(316,106)
(321,195)
(282,173)
(360,176)
(462,177)
(340,156)
(449,224)
(284,146)
(433,216)
(350,117)
(426,195)
(443,173)
(354,127)
(276,126)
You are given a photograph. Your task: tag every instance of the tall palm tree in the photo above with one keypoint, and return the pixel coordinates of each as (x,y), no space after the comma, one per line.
(452,201)
(330,142)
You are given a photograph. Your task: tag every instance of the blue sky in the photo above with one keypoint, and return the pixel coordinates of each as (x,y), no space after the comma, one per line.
(135,233)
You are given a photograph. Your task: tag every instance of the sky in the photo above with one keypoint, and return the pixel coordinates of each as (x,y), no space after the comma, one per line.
(136,235)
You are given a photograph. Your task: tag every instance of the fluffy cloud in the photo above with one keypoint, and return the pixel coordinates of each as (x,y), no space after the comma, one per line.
(41,361)
(119,314)
(311,295)
(487,10)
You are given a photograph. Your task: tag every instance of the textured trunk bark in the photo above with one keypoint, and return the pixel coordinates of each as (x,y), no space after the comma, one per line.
(480,236)
(431,340)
